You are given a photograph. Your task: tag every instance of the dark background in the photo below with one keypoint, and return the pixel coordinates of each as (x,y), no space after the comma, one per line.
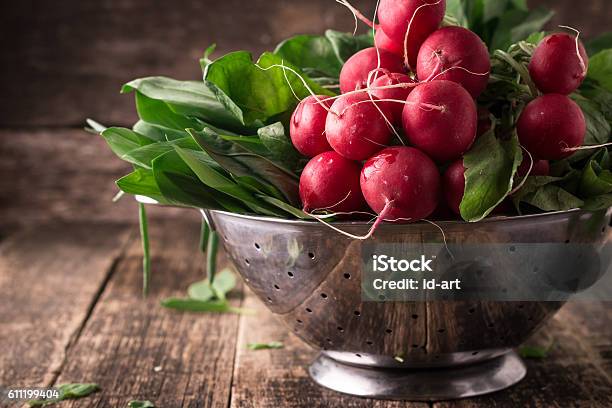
(64,61)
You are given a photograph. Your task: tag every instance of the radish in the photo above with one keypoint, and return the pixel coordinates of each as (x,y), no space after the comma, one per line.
(551,126)
(382,41)
(539,168)
(440,118)
(453,185)
(396,94)
(409,22)
(356,128)
(455,54)
(559,64)
(307,127)
(331,182)
(401,183)
(355,72)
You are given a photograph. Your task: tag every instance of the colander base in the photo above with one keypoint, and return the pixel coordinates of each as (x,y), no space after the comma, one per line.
(420,384)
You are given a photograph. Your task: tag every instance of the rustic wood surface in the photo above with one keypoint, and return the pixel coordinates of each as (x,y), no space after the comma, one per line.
(73,312)
(65,61)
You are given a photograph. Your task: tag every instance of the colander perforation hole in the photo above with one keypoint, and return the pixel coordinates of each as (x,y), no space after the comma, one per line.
(475,353)
(358,355)
(441,331)
(415,346)
(276,287)
(324,295)
(257,246)
(246,261)
(347,276)
(471,311)
(388,331)
(369,343)
(311,255)
(269,299)
(299,321)
(340,329)
(357,313)
(328,340)
(290,274)
(415,316)
(309,310)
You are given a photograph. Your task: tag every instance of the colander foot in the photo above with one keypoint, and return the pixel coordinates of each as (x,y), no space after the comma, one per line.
(420,384)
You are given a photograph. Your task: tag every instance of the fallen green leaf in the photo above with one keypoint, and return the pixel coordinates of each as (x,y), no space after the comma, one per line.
(265,346)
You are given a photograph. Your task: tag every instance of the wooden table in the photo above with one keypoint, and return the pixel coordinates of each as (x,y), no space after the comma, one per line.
(71,308)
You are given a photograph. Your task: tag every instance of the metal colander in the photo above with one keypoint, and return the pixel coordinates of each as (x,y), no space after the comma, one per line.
(310,277)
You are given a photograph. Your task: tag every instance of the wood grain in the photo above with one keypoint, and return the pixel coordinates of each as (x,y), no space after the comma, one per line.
(127,337)
(279,378)
(65,61)
(574,373)
(49,277)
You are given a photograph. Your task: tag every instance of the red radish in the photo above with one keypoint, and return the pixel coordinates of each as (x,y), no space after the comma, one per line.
(354,74)
(550,126)
(355,127)
(423,16)
(331,182)
(382,41)
(440,119)
(307,128)
(398,94)
(556,65)
(484,121)
(540,168)
(401,183)
(453,185)
(459,53)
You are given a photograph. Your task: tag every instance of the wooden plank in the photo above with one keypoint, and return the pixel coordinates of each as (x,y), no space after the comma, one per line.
(49,277)
(75,55)
(279,378)
(127,336)
(573,374)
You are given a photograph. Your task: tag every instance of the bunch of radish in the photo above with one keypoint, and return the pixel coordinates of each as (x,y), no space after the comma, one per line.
(395,138)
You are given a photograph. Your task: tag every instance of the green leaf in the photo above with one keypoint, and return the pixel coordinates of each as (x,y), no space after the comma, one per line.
(144,156)
(602,202)
(552,198)
(600,69)
(595,180)
(67,391)
(345,45)
(223,283)
(158,132)
(455,9)
(280,147)
(122,140)
(158,113)
(240,162)
(194,305)
(311,53)
(213,179)
(95,126)
(494,9)
(141,404)
(516,25)
(273,345)
(201,291)
(262,90)
(534,352)
(180,186)
(197,99)
(598,44)
(141,182)
(490,168)
(598,127)
(287,207)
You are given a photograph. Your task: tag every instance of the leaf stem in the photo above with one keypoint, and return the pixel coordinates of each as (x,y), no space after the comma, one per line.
(211,256)
(520,68)
(146,255)
(204,234)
